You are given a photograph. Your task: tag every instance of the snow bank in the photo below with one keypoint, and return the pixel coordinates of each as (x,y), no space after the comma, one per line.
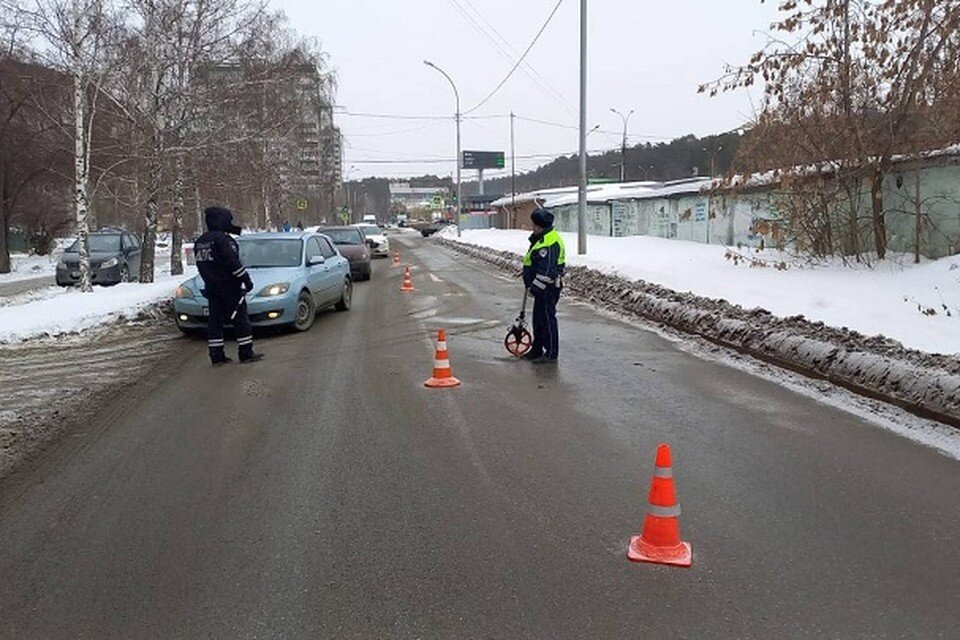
(892,299)
(926,384)
(26,267)
(72,311)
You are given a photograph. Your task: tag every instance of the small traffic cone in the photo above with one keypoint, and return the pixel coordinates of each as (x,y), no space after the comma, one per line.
(660,540)
(396,258)
(442,373)
(407,282)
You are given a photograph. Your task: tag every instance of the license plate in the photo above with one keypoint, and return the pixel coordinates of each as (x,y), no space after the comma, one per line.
(206,311)
(74,274)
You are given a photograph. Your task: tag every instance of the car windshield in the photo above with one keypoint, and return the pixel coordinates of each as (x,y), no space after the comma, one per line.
(264,252)
(99,243)
(343,236)
(371,230)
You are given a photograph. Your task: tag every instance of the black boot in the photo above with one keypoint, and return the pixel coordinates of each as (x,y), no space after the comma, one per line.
(247,354)
(218,357)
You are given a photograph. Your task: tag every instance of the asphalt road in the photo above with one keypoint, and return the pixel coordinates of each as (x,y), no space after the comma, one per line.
(324,493)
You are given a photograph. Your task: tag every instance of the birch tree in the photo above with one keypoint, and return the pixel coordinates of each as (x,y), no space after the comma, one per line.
(80,37)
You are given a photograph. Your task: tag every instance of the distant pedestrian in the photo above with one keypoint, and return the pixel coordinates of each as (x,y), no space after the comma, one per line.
(543,267)
(226,283)
(286,226)
(300,225)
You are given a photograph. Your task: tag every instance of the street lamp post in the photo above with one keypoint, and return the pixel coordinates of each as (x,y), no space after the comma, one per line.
(582,186)
(623,146)
(646,171)
(457,96)
(713,157)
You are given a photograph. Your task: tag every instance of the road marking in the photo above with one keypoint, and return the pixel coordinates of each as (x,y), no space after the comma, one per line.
(435,278)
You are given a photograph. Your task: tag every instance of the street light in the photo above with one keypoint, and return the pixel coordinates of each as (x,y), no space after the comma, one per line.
(646,171)
(713,157)
(457,96)
(623,146)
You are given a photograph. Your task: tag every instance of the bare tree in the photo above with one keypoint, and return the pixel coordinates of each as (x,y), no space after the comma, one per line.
(853,80)
(80,37)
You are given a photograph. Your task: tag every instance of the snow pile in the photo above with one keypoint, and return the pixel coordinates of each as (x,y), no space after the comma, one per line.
(917,305)
(73,311)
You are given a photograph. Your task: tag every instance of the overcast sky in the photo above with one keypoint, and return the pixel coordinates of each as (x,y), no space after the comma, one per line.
(645,55)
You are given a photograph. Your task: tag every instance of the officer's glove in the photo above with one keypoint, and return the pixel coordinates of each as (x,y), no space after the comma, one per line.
(247,283)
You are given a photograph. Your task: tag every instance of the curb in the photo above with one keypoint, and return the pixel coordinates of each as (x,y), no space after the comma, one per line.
(927,385)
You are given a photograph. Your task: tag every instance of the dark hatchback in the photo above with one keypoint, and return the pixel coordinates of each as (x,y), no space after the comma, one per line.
(114,257)
(352,245)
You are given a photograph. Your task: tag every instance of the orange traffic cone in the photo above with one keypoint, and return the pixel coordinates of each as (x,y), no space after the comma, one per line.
(442,373)
(396,258)
(407,282)
(660,540)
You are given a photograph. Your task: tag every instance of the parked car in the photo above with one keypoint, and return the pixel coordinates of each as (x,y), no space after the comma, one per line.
(354,247)
(114,258)
(379,243)
(295,275)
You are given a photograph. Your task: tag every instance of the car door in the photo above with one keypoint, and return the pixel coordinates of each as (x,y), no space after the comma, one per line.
(334,273)
(131,249)
(316,273)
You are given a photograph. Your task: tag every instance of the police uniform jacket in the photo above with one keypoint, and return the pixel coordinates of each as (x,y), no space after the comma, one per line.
(544,262)
(218,257)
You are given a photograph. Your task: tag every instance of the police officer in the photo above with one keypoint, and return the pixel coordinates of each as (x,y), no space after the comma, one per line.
(226,283)
(543,276)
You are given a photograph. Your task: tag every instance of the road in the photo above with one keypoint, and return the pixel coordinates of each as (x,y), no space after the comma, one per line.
(23,286)
(324,493)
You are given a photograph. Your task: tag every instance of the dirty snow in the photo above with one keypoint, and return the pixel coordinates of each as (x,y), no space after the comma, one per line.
(890,299)
(71,311)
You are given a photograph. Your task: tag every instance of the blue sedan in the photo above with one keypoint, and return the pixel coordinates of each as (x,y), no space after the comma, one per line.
(295,275)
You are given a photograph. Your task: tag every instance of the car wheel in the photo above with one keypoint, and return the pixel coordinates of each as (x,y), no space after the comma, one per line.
(125,273)
(306,312)
(346,297)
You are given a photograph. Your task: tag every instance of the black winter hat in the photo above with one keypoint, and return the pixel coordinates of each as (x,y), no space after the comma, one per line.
(542,218)
(220,219)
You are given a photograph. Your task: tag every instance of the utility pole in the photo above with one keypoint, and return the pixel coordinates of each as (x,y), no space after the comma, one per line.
(513,174)
(582,199)
(456,95)
(713,170)
(623,146)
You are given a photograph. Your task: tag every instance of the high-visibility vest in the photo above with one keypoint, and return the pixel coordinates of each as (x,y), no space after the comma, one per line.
(549,239)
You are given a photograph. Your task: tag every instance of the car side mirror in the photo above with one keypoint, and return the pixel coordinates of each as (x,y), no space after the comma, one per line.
(314,260)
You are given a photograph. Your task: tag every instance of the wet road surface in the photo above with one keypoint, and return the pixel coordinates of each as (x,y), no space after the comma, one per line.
(324,493)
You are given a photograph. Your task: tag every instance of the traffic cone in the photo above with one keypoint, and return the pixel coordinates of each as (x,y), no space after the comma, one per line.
(660,540)
(442,373)
(396,258)
(407,282)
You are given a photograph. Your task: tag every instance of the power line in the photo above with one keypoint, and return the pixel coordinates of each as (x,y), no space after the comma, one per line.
(483,32)
(439,160)
(397,116)
(520,61)
(527,67)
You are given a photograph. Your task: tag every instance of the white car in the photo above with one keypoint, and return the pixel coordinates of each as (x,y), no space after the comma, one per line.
(379,244)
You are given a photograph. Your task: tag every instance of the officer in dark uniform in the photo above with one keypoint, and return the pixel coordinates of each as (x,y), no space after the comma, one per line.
(226,283)
(543,267)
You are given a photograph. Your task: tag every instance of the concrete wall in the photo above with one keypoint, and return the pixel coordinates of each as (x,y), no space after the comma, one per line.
(749,219)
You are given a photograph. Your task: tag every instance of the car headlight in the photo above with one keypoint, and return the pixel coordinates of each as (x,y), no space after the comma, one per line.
(109,262)
(184,291)
(271,290)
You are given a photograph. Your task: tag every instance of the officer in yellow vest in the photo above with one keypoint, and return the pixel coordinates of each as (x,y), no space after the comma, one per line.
(543,276)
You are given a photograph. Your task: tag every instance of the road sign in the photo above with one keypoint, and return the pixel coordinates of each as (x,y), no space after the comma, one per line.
(482,160)
(301,204)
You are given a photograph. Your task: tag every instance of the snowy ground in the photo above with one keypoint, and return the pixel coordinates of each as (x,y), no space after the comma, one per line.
(26,267)
(51,312)
(918,305)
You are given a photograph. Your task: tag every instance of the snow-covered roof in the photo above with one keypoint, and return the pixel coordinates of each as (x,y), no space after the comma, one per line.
(610,191)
